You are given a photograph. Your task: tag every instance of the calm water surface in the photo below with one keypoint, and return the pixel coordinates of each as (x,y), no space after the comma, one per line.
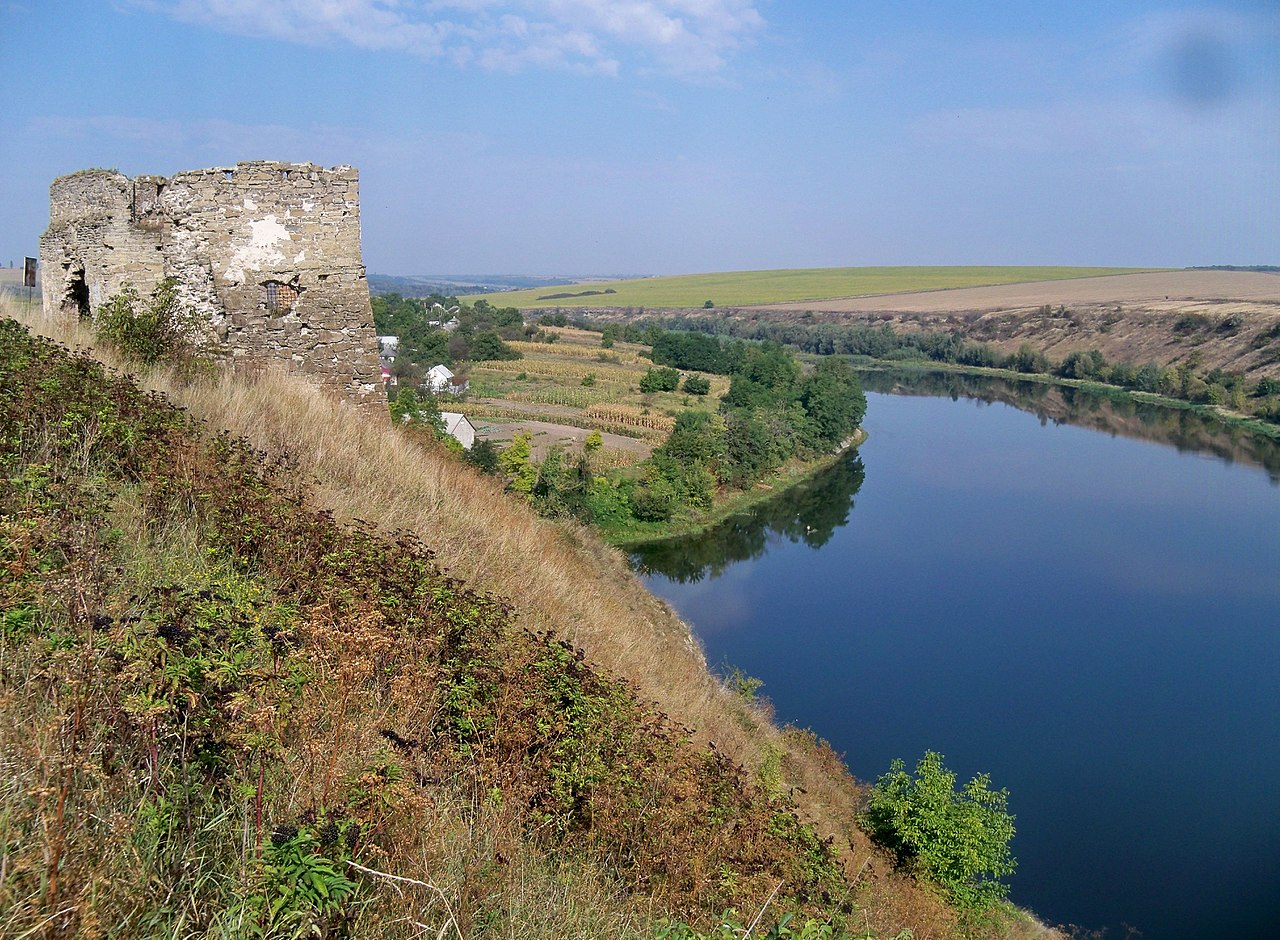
(1091,619)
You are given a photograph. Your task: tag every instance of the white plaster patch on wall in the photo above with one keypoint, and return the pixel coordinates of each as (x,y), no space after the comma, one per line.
(301,257)
(262,249)
(249,203)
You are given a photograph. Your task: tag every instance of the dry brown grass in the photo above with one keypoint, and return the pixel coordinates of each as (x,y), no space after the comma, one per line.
(561,578)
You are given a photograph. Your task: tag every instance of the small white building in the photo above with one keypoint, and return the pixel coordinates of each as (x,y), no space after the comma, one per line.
(439,381)
(456,425)
(439,378)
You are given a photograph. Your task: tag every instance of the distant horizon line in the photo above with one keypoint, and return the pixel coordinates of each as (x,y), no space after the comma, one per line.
(823,267)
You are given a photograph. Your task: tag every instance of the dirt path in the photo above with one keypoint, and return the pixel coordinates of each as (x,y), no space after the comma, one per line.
(547,435)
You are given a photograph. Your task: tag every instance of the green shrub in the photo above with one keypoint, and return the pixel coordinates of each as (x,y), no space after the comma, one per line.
(697,384)
(302,890)
(483,455)
(959,840)
(1191,323)
(654,500)
(146,333)
(660,380)
(731,927)
(517,465)
(608,502)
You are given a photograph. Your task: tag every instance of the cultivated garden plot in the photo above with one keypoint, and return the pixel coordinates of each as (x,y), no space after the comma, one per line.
(562,390)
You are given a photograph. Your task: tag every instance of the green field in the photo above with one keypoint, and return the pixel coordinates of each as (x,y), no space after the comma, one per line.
(743,288)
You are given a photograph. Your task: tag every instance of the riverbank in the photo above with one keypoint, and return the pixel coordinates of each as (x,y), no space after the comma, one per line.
(791,474)
(1217,413)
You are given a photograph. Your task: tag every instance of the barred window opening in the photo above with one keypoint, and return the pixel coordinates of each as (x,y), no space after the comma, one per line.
(280,297)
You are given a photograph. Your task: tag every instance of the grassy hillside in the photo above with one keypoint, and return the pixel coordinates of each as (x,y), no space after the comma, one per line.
(227,708)
(741,288)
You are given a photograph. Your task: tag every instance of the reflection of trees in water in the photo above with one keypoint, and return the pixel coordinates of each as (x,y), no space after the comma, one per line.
(1176,427)
(809,512)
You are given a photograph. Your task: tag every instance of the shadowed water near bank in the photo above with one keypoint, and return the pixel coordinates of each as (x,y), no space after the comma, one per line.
(1120,416)
(1090,617)
(807,513)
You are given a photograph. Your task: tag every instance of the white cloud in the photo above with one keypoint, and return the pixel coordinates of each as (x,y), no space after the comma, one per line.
(691,38)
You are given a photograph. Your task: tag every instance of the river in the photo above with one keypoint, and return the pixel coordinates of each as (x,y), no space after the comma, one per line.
(1088,611)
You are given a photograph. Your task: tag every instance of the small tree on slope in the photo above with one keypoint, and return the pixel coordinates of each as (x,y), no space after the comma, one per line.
(959,840)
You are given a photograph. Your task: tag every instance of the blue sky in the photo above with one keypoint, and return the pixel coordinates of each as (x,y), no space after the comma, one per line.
(673,136)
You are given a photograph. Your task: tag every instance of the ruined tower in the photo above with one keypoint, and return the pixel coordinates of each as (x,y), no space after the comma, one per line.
(267,253)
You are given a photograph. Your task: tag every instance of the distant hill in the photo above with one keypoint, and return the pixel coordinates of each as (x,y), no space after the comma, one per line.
(420,285)
(1263,268)
(749,288)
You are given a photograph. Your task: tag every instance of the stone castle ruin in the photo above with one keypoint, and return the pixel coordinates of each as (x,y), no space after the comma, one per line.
(268,254)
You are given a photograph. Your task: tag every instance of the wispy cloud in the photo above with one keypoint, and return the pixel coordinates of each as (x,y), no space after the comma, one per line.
(1100,127)
(1166,83)
(691,38)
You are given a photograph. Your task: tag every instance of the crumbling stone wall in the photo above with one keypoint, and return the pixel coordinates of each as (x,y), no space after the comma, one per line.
(267,253)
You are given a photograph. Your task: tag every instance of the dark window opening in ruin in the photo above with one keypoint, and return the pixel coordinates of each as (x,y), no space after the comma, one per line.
(284,174)
(78,295)
(279,297)
(227,174)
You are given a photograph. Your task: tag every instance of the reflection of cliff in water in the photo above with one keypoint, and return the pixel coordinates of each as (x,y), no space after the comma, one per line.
(1179,428)
(809,512)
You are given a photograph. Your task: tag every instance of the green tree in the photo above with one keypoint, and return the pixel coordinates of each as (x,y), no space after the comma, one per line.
(394,315)
(697,384)
(483,456)
(1028,360)
(1266,387)
(655,499)
(552,479)
(516,462)
(767,374)
(608,503)
(834,402)
(419,409)
(489,345)
(660,380)
(958,839)
(696,436)
(749,453)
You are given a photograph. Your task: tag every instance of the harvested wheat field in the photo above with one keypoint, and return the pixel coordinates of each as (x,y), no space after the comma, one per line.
(1177,287)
